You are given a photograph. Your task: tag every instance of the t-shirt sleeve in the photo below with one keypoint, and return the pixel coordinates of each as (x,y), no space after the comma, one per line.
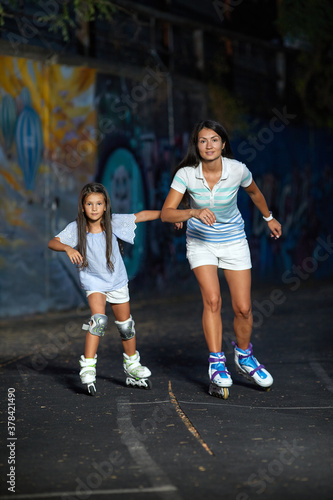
(246,177)
(68,236)
(123,227)
(179,182)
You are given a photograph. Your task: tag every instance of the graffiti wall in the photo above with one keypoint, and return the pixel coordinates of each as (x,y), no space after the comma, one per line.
(62,126)
(47,114)
(293,169)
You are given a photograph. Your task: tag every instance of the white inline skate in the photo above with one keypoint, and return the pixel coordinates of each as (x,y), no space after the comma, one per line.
(88,373)
(137,375)
(248,366)
(220,379)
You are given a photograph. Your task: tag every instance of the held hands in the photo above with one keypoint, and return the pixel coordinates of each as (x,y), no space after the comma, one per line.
(74,255)
(275,228)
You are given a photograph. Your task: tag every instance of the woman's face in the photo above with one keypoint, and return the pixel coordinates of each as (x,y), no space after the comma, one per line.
(209,144)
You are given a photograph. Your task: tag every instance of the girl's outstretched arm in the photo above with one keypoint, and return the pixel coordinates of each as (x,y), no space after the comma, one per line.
(146,215)
(74,256)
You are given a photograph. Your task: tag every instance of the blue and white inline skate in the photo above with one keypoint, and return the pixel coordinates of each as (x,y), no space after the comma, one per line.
(220,379)
(137,375)
(248,366)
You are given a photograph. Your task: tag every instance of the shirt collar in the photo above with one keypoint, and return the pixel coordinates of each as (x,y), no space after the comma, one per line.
(225,170)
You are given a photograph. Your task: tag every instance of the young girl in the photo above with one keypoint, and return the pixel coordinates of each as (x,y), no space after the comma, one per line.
(215,238)
(91,243)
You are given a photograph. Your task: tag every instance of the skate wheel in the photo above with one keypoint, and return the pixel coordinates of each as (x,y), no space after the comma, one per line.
(91,389)
(218,392)
(142,383)
(149,384)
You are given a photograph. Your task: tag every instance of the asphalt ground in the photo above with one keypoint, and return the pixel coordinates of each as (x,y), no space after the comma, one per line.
(173,441)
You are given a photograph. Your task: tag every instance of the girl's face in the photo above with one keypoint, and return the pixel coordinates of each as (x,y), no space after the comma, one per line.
(94,206)
(209,144)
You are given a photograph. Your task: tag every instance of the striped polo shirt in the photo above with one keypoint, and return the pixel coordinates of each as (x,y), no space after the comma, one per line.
(222,200)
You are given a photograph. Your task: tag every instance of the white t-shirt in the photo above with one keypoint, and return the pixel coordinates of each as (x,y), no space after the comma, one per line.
(97,276)
(222,200)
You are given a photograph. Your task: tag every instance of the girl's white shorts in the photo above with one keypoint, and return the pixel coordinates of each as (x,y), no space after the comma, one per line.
(234,255)
(116,296)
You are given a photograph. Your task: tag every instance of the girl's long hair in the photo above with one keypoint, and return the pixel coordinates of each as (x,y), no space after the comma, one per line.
(192,157)
(94,187)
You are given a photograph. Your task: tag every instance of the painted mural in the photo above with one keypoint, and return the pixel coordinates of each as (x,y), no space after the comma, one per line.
(294,171)
(135,166)
(47,149)
(62,126)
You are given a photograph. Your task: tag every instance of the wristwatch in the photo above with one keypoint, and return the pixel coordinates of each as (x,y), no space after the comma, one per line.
(270,217)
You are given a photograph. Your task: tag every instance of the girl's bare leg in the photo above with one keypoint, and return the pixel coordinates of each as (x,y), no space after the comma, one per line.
(97,302)
(122,313)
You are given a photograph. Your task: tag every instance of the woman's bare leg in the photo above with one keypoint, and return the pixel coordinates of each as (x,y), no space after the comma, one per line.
(209,284)
(239,283)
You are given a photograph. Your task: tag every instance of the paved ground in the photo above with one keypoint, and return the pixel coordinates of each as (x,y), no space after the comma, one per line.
(175,441)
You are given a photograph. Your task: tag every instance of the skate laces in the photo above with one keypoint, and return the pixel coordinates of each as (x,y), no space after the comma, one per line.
(134,367)
(88,363)
(132,361)
(246,358)
(217,361)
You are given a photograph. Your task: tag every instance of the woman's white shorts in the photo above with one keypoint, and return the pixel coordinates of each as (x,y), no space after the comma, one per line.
(116,296)
(234,255)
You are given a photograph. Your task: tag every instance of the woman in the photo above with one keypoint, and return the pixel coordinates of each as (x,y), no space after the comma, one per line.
(216,239)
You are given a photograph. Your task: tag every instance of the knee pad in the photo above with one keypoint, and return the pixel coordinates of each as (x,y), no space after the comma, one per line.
(97,325)
(126,328)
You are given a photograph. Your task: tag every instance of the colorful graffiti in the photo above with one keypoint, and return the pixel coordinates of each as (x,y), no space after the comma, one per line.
(47,116)
(296,177)
(61,127)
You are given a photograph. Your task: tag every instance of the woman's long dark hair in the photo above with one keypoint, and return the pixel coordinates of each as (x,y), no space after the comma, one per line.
(192,157)
(94,187)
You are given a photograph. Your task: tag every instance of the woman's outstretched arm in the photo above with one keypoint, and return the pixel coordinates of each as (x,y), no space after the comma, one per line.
(260,202)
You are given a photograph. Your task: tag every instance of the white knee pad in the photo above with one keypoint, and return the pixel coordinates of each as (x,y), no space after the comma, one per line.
(97,325)
(126,328)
